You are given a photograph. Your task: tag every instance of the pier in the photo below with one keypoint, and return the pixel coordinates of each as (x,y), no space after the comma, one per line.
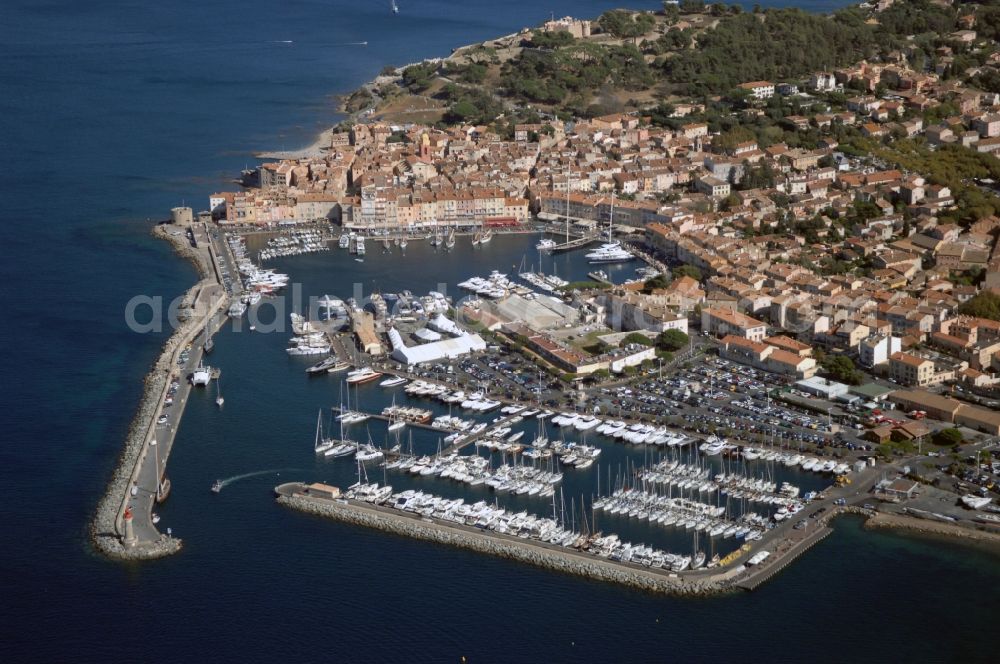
(470,439)
(548,556)
(123,526)
(760,574)
(785,542)
(733,574)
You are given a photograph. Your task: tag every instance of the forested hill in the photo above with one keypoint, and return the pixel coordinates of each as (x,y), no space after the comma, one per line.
(774,46)
(635,60)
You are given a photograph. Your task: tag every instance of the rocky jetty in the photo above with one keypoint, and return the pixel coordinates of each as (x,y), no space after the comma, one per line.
(105,529)
(513,549)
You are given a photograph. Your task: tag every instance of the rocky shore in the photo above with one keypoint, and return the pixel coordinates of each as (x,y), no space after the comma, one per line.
(513,549)
(930,528)
(105,529)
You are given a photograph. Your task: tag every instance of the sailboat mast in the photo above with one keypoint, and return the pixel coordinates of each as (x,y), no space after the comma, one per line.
(569,174)
(611,218)
(319,426)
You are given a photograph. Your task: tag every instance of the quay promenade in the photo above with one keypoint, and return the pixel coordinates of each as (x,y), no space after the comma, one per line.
(123,526)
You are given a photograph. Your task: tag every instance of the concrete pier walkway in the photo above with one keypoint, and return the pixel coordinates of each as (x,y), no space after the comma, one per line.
(142,466)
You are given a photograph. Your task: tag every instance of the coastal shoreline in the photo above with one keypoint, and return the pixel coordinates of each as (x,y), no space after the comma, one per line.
(319,147)
(936,530)
(321,143)
(106,525)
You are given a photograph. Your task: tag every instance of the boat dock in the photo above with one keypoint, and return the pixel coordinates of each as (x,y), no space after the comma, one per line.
(596,276)
(469,439)
(763,573)
(386,418)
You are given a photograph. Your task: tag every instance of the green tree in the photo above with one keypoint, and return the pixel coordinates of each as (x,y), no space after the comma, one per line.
(418,77)
(655,283)
(686,271)
(730,201)
(625,24)
(948,436)
(787,43)
(663,116)
(671,340)
(983,305)
(671,12)
(637,338)
(551,40)
(842,368)
(729,139)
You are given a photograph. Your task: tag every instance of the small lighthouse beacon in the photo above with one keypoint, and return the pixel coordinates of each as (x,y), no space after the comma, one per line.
(130,539)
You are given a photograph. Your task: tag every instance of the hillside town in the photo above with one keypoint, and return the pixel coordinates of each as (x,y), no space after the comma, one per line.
(837,230)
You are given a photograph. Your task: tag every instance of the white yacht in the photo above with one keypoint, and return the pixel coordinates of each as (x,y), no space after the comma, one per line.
(201,376)
(362,375)
(612,252)
(314,343)
(545,244)
(368,452)
(713,446)
(237,309)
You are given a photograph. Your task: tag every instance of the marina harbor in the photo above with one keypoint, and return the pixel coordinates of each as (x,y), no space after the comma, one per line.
(577,332)
(467,451)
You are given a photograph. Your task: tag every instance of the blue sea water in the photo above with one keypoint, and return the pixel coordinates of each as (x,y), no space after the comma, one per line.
(113,112)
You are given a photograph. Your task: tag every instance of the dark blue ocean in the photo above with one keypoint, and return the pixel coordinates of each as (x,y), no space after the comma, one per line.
(113,112)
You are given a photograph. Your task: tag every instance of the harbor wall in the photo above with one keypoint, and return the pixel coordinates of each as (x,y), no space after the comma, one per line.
(514,549)
(107,525)
(931,528)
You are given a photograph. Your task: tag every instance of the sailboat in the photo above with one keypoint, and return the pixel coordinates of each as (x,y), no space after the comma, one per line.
(218,394)
(402,243)
(436,239)
(394,6)
(329,447)
(449,243)
(321,445)
(395,421)
(698,559)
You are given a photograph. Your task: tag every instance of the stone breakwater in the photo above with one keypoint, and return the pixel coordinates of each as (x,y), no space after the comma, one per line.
(105,529)
(933,528)
(513,549)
